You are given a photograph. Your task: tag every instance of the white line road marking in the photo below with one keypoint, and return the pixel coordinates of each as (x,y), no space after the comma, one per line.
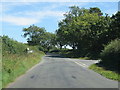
(80,63)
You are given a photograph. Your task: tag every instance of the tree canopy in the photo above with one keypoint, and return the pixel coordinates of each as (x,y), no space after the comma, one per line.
(38,36)
(85,30)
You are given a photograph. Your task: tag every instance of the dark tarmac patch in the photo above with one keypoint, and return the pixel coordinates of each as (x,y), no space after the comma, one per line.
(73,77)
(32,77)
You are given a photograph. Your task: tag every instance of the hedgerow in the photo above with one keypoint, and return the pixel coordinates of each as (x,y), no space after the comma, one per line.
(111,54)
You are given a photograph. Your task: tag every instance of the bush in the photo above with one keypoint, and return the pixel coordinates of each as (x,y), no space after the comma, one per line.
(12,47)
(41,48)
(111,54)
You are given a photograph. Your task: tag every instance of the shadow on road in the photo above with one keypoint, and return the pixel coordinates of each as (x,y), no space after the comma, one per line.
(54,55)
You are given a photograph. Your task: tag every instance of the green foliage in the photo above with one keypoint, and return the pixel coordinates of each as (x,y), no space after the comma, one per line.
(38,36)
(15,61)
(87,30)
(41,48)
(111,54)
(96,10)
(0,62)
(12,46)
(115,26)
(35,35)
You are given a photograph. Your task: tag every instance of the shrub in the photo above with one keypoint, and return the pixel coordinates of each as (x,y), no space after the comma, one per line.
(41,48)
(111,54)
(12,46)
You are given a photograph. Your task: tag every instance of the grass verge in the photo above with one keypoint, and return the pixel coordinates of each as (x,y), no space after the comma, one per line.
(0,75)
(15,65)
(106,73)
(82,58)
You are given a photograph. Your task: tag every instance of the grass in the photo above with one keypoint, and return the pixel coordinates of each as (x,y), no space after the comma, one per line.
(0,63)
(106,73)
(15,60)
(83,58)
(0,75)
(15,65)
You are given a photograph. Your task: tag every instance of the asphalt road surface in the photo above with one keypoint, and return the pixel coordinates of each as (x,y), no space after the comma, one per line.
(58,72)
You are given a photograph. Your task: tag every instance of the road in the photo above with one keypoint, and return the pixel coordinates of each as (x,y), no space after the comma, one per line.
(58,72)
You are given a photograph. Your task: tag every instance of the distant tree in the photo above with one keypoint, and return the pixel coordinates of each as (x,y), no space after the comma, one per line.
(35,35)
(50,40)
(38,36)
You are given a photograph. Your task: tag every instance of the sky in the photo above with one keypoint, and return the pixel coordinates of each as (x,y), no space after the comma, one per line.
(14,16)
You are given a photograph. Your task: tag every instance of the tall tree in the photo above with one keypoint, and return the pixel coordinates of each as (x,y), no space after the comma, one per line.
(115,26)
(35,35)
(38,36)
(85,29)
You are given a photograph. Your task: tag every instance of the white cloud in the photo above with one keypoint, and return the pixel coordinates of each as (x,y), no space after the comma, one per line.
(6,6)
(19,20)
(31,17)
(28,17)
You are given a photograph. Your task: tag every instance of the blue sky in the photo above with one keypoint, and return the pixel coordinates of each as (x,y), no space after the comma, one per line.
(19,15)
